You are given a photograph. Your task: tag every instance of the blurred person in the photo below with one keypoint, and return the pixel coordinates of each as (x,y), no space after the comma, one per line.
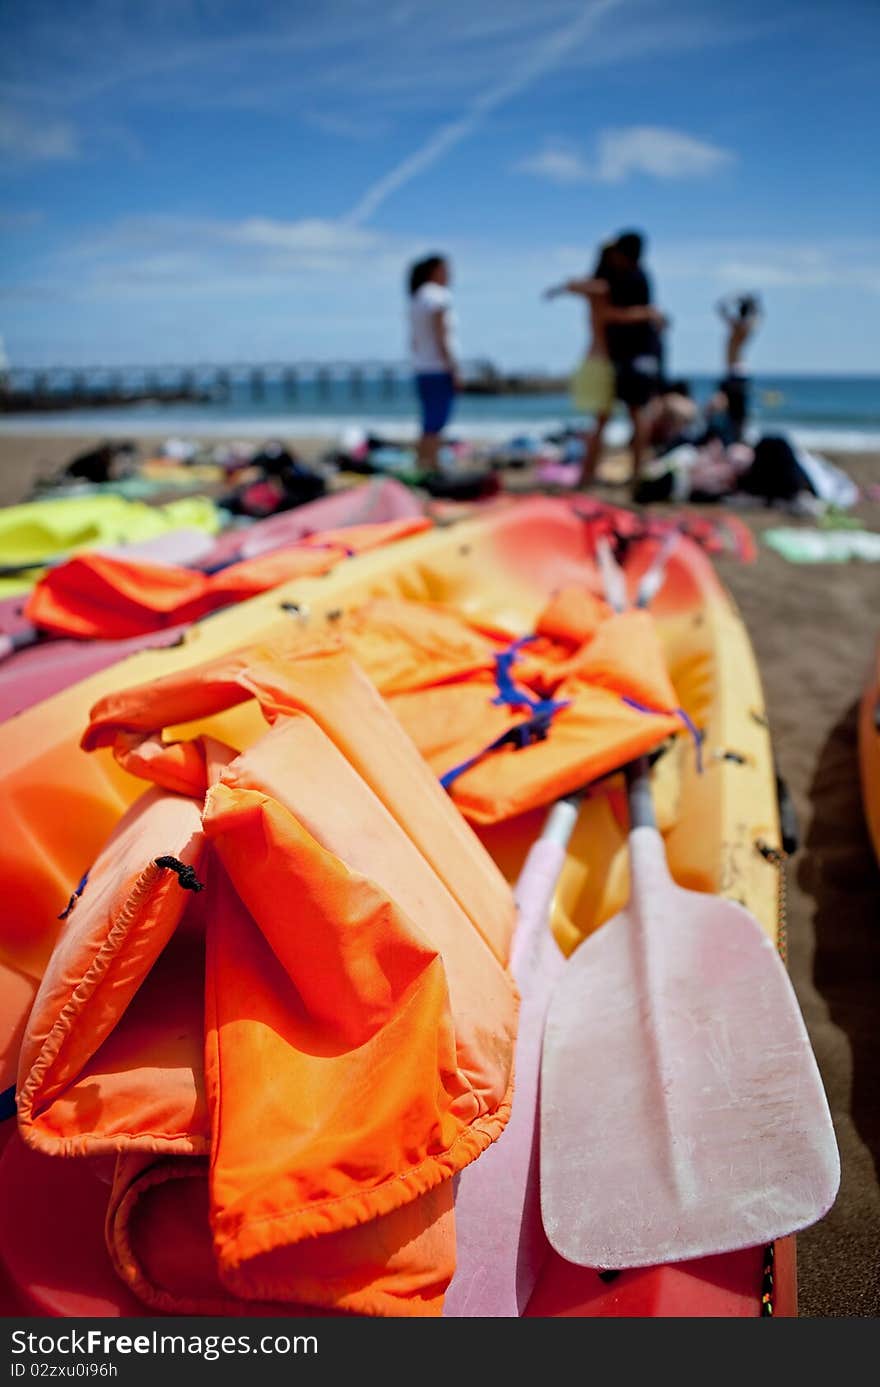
(742,314)
(635,347)
(671,418)
(433,352)
(594,384)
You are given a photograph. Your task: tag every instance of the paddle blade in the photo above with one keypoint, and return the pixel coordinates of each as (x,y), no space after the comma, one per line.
(682,1110)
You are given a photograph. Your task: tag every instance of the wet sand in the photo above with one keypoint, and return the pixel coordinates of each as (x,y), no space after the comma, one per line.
(814,630)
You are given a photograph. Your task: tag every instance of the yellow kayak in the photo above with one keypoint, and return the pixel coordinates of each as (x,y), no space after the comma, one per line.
(719,819)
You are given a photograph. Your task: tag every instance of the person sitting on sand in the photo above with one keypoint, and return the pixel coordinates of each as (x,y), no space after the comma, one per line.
(593,385)
(742,313)
(432,345)
(671,418)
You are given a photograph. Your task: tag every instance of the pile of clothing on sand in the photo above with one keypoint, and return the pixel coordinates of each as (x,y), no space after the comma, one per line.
(245,479)
(698,456)
(464,472)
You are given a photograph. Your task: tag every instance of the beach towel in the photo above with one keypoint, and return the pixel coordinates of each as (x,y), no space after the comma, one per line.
(824,546)
(40,531)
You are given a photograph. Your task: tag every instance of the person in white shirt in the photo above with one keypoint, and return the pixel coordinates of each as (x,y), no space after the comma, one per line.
(433,351)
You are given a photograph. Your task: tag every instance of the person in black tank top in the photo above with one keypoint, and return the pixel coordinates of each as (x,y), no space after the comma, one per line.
(635,347)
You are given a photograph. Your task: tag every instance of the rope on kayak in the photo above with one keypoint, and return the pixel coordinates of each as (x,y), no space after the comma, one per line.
(777,858)
(75,897)
(186,876)
(691,726)
(7,1103)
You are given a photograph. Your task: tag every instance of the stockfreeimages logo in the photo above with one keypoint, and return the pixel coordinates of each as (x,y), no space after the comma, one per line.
(94,1343)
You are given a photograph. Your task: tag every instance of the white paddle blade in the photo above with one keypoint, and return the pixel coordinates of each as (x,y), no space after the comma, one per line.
(500,1242)
(682,1112)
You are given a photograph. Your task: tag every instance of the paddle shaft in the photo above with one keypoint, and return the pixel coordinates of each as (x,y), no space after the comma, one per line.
(500,1241)
(638,794)
(501,1244)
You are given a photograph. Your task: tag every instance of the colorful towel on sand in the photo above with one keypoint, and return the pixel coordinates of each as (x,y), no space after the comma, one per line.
(824,546)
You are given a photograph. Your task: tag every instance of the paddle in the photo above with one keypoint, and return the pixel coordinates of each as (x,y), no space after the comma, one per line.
(500,1242)
(682,1111)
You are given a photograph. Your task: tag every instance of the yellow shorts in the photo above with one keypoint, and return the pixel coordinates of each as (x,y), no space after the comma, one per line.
(592,386)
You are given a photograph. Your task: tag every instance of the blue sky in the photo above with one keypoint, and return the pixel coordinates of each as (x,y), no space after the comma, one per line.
(212,180)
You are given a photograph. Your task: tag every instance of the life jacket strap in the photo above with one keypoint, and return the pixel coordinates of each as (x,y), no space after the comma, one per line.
(534,729)
(691,727)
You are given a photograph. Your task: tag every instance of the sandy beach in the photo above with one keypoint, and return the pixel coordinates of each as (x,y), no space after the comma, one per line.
(813,629)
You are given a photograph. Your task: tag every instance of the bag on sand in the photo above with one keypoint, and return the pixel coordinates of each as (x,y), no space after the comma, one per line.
(775,473)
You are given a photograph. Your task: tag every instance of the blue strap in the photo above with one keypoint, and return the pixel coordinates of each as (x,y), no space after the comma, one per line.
(7,1103)
(507,689)
(510,692)
(75,897)
(678,713)
(537,724)
(534,729)
(333,544)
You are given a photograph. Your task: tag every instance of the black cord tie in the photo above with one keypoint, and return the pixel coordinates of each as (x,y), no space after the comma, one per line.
(186,876)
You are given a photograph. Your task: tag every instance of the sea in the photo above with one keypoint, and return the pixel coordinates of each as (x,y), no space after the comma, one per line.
(834,412)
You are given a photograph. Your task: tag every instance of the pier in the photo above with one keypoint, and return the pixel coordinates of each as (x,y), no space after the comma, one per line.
(42,389)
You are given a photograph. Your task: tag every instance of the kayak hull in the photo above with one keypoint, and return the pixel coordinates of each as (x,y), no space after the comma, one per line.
(54,1262)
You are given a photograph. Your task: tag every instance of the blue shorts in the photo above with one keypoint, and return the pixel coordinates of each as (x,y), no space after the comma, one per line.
(436,391)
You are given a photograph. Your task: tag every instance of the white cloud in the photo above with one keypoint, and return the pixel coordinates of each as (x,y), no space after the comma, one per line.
(310,243)
(654,150)
(31,139)
(774,264)
(359,60)
(263,288)
(558,163)
(201,256)
(647,149)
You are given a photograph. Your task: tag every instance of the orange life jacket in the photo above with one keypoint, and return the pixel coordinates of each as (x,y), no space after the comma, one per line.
(510,725)
(328,1021)
(98,596)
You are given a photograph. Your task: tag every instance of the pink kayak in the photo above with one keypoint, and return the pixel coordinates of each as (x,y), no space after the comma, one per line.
(34,673)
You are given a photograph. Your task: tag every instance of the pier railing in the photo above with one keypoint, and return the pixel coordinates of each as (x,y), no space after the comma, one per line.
(65,387)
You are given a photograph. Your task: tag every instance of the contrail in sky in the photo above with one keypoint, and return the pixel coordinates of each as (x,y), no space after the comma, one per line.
(544,57)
